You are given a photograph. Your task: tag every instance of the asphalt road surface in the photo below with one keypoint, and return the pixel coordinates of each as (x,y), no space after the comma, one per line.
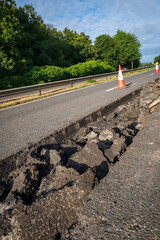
(14,96)
(28,123)
(126,203)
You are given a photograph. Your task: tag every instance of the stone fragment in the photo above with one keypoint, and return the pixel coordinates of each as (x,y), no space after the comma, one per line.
(154,104)
(106,134)
(139,126)
(117,148)
(5,226)
(156,87)
(34,160)
(110,155)
(70,148)
(91,136)
(130,131)
(54,157)
(80,136)
(121,109)
(57,179)
(26,180)
(84,135)
(89,157)
(132,115)
(119,145)
(52,214)
(122,125)
(97,126)
(146,100)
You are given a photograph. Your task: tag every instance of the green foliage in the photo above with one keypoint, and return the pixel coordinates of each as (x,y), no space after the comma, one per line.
(157,59)
(32,52)
(15,81)
(25,41)
(123,48)
(89,68)
(46,74)
(105,49)
(127,48)
(90,81)
(41,82)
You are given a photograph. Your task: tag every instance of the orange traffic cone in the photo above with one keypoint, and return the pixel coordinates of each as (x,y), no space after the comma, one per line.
(157,68)
(120,79)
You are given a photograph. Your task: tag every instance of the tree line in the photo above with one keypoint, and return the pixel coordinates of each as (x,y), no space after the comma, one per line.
(157,59)
(26,41)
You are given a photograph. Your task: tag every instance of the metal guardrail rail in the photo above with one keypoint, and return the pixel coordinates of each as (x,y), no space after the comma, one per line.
(39,87)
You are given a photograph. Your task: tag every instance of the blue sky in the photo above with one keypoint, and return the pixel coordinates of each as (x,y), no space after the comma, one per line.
(96,17)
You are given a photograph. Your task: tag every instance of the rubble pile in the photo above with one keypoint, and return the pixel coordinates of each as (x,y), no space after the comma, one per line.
(44,194)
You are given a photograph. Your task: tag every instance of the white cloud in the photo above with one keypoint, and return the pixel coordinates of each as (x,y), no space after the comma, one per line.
(93,17)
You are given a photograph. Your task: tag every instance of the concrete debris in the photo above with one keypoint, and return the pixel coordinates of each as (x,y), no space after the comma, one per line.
(154,104)
(106,135)
(89,157)
(57,179)
(43,194)
(116,150)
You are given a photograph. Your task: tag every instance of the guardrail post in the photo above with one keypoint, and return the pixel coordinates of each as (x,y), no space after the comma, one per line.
(9,92)
(40,93)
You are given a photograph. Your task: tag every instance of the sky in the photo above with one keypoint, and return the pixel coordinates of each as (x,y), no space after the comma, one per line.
(96,17)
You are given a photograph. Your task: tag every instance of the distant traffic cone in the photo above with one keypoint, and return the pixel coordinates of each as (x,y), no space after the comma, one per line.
(157,68)
(120,79)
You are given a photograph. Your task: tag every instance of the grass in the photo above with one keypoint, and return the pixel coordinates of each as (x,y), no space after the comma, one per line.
(91,81)
(36,96)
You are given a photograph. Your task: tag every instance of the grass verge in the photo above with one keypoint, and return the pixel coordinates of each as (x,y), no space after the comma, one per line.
(28,98)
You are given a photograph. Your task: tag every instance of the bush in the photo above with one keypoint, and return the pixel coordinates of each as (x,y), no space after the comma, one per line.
(90,81)
(15,81)
(5,84)
(52,73)
(47,74)
(89,68)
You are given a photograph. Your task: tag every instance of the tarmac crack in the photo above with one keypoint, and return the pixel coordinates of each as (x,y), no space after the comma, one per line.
(50,185)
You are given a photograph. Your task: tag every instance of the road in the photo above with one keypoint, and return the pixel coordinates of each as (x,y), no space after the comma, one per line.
(24,124)
(15,96)
(125,205)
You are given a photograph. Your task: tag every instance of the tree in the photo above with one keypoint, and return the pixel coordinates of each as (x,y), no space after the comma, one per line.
(25,40)
(157,59)
(19,29)
(105,49)
(127,48)
(10,34)
(82,45)
(122,49)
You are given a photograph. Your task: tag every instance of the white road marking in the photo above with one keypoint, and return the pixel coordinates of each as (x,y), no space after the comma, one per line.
(152,73)
(19,105)
(45,98)
(110,89)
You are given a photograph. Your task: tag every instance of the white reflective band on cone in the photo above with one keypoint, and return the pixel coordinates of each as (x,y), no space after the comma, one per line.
(120,76)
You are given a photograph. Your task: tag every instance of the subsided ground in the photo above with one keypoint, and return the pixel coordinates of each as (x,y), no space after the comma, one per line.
(95,179)
(125,205)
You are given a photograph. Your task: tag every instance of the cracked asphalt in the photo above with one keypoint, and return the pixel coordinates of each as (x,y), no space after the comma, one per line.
(126,204)
(25,124)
